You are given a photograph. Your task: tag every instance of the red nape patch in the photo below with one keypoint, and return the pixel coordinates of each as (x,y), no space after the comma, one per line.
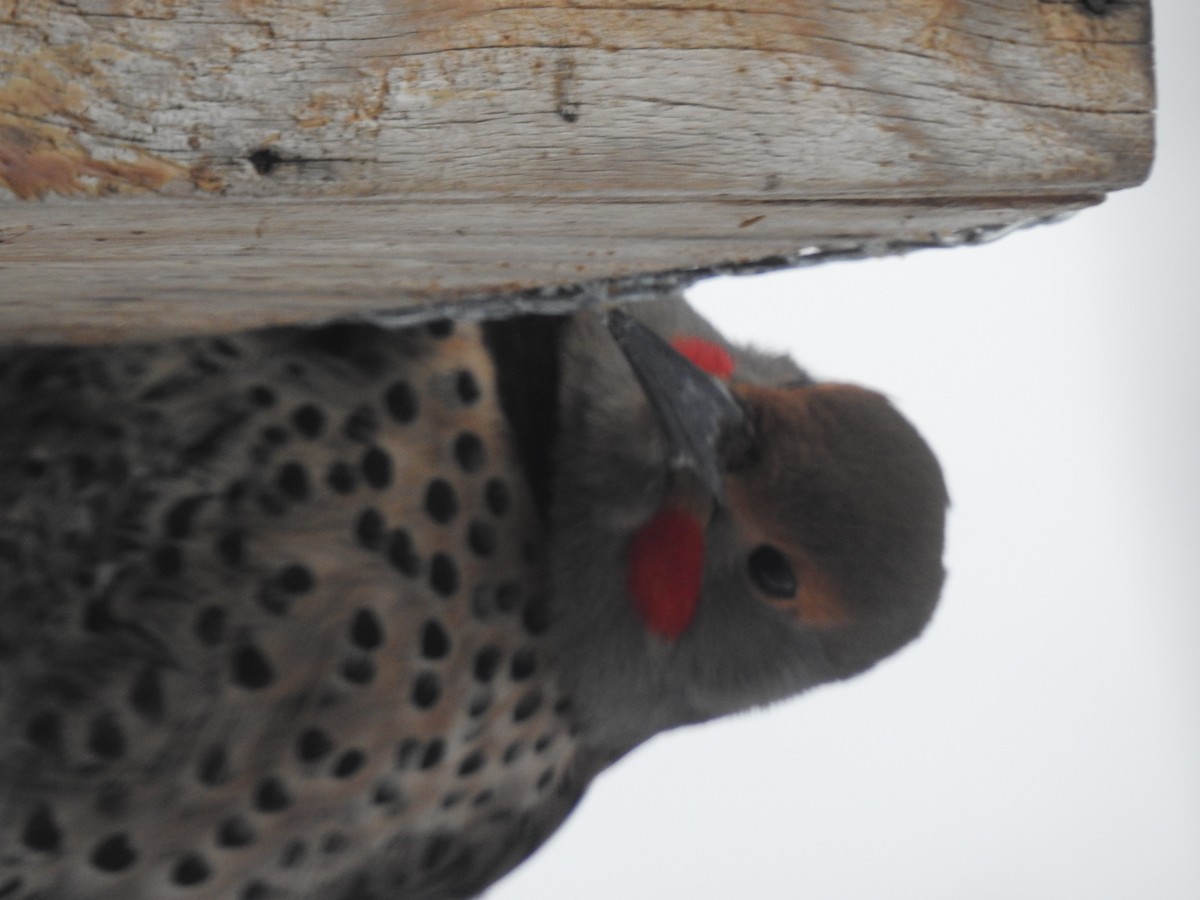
(712,358)
(666,567)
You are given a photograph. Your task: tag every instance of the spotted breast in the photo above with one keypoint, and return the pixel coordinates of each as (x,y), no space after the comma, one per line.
(355,612)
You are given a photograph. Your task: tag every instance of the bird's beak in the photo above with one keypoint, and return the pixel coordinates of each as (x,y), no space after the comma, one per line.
(693,408)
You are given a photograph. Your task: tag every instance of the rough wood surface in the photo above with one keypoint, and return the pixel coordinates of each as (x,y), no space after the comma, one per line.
(174,165)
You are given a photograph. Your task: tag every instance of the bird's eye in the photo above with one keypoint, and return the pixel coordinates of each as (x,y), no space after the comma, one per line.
(771,572)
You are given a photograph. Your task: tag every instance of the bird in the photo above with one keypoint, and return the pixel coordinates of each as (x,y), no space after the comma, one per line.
(355,611)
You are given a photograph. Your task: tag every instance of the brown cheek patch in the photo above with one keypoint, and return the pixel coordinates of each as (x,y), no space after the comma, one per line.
(756,508)
(817,603)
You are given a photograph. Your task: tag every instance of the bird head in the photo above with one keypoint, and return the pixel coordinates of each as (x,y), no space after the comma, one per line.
(726,531)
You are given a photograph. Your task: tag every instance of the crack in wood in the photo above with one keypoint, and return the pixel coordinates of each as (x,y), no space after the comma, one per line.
(565,84)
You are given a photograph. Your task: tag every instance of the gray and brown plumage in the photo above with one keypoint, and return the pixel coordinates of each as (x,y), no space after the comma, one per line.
(347,612)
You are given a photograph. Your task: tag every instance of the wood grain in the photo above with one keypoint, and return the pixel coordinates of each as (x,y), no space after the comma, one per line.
(180,165)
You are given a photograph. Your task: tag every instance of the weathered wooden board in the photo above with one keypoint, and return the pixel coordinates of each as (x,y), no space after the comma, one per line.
(177,165)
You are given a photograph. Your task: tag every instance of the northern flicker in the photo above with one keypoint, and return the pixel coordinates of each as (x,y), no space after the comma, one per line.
(351,612)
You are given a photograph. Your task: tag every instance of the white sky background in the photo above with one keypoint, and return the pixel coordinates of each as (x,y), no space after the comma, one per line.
(1042,740)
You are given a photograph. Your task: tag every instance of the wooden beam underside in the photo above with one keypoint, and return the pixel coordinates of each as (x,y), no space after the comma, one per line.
(168,167)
